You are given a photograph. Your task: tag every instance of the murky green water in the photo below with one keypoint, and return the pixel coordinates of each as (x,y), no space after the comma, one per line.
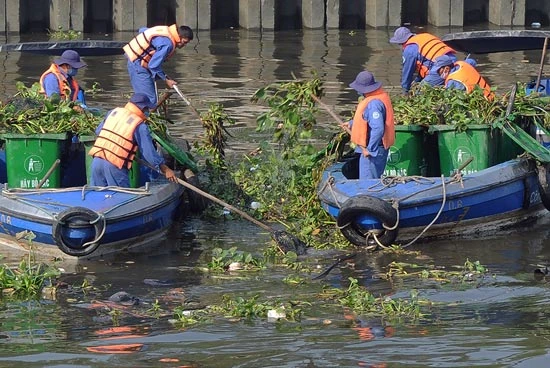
(502,321)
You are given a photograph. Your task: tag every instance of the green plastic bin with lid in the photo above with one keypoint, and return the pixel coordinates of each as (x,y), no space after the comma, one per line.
(30,156)
(88,141)
(506,148)
(455,148)
(406,157)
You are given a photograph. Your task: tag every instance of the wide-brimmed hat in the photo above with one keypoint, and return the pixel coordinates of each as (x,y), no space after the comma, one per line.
(72,58)
(142,101)
(401,35)
(443,60)
(365,83)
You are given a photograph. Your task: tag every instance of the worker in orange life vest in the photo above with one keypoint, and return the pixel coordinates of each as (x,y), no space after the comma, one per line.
(372,127)
(60,79)
(148,50)
(419,52)
(118,138)
(461,75)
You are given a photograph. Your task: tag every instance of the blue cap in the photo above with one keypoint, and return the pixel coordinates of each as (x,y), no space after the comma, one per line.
(401,35)
(72,58)
(142,101)
(365,83)
(443,60)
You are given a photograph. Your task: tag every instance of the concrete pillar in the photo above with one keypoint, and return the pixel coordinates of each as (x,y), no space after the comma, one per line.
(313,14)
(383,13)
(3,23)
(268,14)
(507,12)
(333,13)
(249,14)
(443,13)
(67,14)
(196,14)
(129,15)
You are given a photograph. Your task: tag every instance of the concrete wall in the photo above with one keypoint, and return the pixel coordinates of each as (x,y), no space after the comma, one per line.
(129,15)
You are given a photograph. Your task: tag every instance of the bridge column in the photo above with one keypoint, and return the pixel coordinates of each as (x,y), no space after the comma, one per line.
(333,14)
(313,14)
(249,14)
(507,12)
(129,15)
(196,14)
(446,12)
(67,14)
(383,13)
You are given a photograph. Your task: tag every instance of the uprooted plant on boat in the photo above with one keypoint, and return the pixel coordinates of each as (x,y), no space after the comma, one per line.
(31,112)
(438,105)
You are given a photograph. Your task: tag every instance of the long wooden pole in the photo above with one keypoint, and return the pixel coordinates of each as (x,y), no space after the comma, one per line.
(542,58)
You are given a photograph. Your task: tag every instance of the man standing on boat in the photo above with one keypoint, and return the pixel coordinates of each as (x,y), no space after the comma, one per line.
(60,79)
(372,129)
(148,50)
(460,75)
(118,138)
(419,52)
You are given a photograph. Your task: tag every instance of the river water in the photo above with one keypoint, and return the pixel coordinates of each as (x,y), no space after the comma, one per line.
(500,321)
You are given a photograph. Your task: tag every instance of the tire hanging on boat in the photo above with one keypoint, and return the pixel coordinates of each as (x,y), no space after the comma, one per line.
(197,203)
(367,205)
(543,184)
(78,217)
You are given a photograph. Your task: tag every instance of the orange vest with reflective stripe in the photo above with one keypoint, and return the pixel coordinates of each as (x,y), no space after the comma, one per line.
(469,77)
(140,46)
(64,86)
(115,142)
(430,47)
(359,130)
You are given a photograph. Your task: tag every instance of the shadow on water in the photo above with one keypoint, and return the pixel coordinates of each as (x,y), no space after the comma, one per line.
(500,322)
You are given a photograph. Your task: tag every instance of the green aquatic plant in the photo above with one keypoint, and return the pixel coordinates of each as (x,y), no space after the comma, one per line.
(360,300)
(27,279)
(291,110)
(64,34)
(214,141)
(233,259)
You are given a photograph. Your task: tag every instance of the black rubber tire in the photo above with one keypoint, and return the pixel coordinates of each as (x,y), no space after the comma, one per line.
(543,184)
(375,207)
(78,216)
(197,203)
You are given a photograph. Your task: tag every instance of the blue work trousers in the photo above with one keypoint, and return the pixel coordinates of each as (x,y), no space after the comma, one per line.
(142,80)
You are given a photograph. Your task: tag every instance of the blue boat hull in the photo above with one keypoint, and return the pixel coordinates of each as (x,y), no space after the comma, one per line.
(88,221)
(500,196)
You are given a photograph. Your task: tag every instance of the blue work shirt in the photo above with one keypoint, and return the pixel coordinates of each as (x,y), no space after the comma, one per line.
(142,137)
(51,86)
(163,48)
(375,115)
(411,54)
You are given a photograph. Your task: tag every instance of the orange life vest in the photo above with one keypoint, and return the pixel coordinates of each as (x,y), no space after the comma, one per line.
(115,142)
(140,46)
(359,130)
(430,47)
(65,88)
(469,77)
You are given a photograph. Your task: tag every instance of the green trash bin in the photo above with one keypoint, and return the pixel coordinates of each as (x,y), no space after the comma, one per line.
(30,156)
(506,149)
(406,157)
(88,141)
(455,147)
